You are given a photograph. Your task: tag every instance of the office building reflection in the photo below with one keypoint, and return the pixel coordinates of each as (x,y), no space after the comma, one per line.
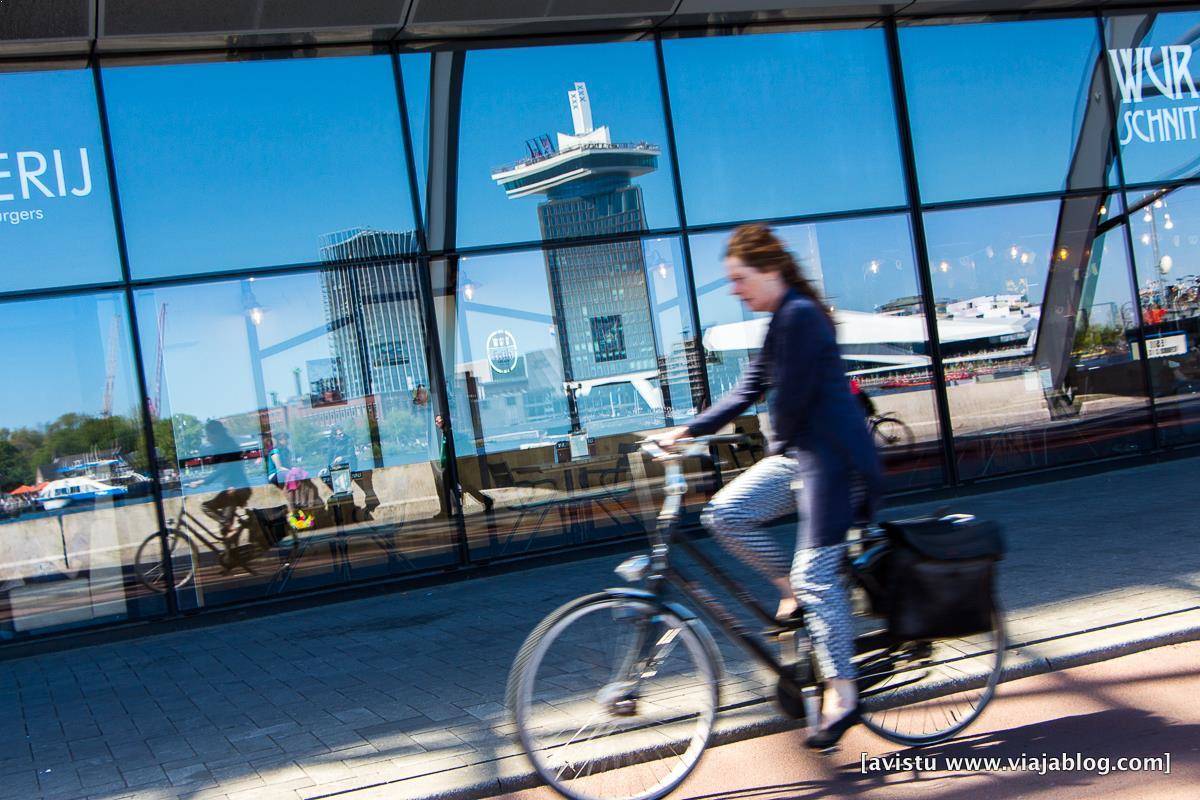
(602,302)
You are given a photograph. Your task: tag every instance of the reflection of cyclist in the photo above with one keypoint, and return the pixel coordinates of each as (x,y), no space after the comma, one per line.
(821,455)
(228,477)
(868,405)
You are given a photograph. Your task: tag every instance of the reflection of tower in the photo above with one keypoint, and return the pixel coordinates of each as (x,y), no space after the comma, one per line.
(601,302)
(373,309)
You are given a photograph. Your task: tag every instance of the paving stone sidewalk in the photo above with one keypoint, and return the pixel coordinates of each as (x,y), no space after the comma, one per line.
(401,695)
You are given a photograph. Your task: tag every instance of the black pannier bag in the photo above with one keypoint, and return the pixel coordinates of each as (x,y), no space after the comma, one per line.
(934,577)
(269,525)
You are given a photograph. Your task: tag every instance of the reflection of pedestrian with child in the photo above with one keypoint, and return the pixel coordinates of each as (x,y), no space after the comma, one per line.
(439,472)
(228,477)
(293,480)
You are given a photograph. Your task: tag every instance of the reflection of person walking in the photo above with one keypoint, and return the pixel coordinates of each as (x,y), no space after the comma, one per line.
(440,469)
(341,446)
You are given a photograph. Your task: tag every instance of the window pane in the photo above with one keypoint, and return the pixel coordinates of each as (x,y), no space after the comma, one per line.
(1036,316)
(299,409)
(866,271)
(784,124)
(77,497)
(564,358)
(249,164)
(1006,108)
(562,142)
(55,209)
(414,67)
(1166,250)
(1154,84)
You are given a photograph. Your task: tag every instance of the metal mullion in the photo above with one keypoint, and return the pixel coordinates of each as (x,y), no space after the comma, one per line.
(60,291)
(1130,258)
(800,219)
(677,181)
(433,342)
(1169,183)
(921,248)
(135,343)
(555,244)
(1004,200)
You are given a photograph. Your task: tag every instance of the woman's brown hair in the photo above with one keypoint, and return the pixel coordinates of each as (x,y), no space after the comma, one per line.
(758,247)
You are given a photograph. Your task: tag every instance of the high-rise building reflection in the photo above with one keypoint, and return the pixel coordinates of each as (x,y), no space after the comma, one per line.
(373,309)
(602,303)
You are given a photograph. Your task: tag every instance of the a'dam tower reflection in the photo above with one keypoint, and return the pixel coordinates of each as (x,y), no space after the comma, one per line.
(601,301)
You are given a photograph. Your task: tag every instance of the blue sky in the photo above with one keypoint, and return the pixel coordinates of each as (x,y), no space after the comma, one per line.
(55,358)
(622,82)
(784,124)
(247,164)
(995,108)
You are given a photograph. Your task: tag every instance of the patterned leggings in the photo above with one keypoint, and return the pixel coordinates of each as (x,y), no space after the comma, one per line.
(772,488)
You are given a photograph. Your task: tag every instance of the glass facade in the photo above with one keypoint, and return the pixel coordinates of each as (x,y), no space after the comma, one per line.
(349,315)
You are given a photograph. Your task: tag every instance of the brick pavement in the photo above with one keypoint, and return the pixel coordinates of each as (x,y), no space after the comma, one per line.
(337,699)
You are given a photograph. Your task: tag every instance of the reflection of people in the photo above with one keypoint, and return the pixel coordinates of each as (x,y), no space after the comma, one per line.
(420,396)
(439,471)
(228,477)
(293,480)
(819,442)
(340,449)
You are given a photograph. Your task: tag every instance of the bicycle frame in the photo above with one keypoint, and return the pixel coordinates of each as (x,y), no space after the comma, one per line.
(657,571)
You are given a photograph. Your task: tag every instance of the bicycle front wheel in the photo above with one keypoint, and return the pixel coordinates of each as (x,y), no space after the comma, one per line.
(614,698)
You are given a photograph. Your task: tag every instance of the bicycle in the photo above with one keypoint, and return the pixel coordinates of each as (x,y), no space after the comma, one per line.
(615,694)
(888,430)
(236,548)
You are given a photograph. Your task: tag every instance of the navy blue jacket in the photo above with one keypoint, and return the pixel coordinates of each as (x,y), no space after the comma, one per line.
(800,369)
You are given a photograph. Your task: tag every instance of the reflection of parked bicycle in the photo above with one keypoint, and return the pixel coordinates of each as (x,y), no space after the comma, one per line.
(254,532)
(889,431)
(615,694)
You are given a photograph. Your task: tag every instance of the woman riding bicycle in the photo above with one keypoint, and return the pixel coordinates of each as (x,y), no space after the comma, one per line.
(822,462)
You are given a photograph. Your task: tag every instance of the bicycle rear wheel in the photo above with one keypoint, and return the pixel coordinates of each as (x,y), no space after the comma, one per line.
(614,698)
(926,692)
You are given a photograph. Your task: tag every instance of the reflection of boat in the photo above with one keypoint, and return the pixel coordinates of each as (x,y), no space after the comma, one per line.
(58,494)
(107,468)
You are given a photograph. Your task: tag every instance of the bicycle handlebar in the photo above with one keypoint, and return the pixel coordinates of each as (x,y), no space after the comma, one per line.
(689,447)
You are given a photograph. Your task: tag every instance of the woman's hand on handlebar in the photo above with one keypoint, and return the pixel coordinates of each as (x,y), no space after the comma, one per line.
(667,439)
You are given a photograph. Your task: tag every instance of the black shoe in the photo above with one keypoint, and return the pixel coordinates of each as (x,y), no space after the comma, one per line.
(785,624)
(827,738)
(793,620)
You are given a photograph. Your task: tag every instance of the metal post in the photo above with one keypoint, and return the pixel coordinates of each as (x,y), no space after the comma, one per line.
(689,278)
(135,344)
(921,250)
(433,344)
(1130,259)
